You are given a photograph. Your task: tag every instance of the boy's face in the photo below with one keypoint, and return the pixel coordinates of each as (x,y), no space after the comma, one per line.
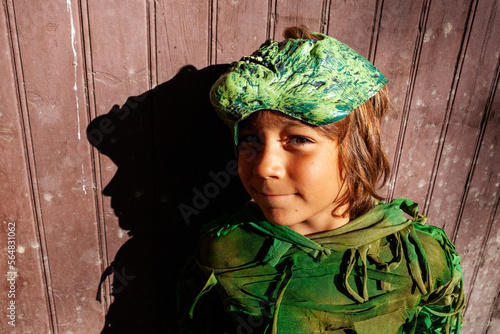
(291,171)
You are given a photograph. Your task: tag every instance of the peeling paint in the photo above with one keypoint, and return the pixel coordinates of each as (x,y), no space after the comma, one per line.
(48,197)
(89,256)
(427,35)
(75,63)
(20,249)
(83,180)
(6,135)
(448,27)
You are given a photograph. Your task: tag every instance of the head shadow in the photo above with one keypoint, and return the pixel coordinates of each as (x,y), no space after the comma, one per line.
(176,171)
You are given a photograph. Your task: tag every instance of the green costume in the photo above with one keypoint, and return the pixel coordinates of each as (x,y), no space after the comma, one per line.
(381,273)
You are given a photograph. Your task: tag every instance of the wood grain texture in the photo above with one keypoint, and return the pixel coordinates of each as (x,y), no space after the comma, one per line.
(234,40)
(17,205)
(65,63)
(50,49)
(478,235)
(476,75)
(120,68)
(397,49)
(183,35)
(345,14)
(437,62)
(119,42)
(295,13)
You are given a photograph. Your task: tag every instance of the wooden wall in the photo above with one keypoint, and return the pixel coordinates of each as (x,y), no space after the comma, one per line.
(63,63)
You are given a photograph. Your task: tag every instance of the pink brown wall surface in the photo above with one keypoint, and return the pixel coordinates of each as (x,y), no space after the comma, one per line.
(64,63)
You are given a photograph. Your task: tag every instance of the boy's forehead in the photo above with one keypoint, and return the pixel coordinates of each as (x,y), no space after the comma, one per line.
(263,118)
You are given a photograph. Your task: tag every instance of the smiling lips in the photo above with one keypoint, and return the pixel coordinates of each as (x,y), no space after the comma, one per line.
(272,194)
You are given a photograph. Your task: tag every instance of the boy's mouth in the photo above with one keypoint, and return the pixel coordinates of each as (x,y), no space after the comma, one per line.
(273,194)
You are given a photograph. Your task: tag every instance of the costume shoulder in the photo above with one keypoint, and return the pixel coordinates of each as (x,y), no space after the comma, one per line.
(441,306)
(227,242)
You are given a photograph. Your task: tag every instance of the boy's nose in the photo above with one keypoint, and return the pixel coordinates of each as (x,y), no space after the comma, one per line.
(269,163)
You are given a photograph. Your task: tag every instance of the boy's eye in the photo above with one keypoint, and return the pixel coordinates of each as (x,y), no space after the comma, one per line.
(247,141)
(299,140)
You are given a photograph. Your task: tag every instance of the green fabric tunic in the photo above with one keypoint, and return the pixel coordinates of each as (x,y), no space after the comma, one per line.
(380,273)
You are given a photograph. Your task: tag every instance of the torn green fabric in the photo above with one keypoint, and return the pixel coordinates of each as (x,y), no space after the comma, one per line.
(380,273)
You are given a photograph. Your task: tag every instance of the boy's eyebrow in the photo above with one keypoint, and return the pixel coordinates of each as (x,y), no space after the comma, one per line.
(291,123)
(288,123)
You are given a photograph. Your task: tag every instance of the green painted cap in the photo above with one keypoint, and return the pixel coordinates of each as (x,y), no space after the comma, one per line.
(315,81)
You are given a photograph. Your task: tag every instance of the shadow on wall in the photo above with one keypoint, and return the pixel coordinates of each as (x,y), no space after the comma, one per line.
(176,171)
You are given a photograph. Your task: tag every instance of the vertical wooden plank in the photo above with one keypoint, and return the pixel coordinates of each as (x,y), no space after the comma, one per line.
(494,321)
(397,49)
(183,35)
(50,48)
(120,65)
(21,257)
(456,162)
(482,315)
(235,39)
(127,72)
(478,238)
(119,42)
(436,70)
(153,61)
(344,15)
(296,13)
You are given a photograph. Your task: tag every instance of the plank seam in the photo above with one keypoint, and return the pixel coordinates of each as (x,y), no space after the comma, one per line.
(477,146)
(481,253)
(271,19)
(497,297)
(449,107)
(212,46)
(93,152)
(152,43)
(31,166)
(167,39)
(325,16)
(424,15)
(492,312)
(377,19)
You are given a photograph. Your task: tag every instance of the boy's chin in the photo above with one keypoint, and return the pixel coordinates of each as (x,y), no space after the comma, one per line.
(277,219)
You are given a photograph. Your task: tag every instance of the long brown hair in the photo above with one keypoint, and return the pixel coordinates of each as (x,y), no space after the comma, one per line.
(363,162)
